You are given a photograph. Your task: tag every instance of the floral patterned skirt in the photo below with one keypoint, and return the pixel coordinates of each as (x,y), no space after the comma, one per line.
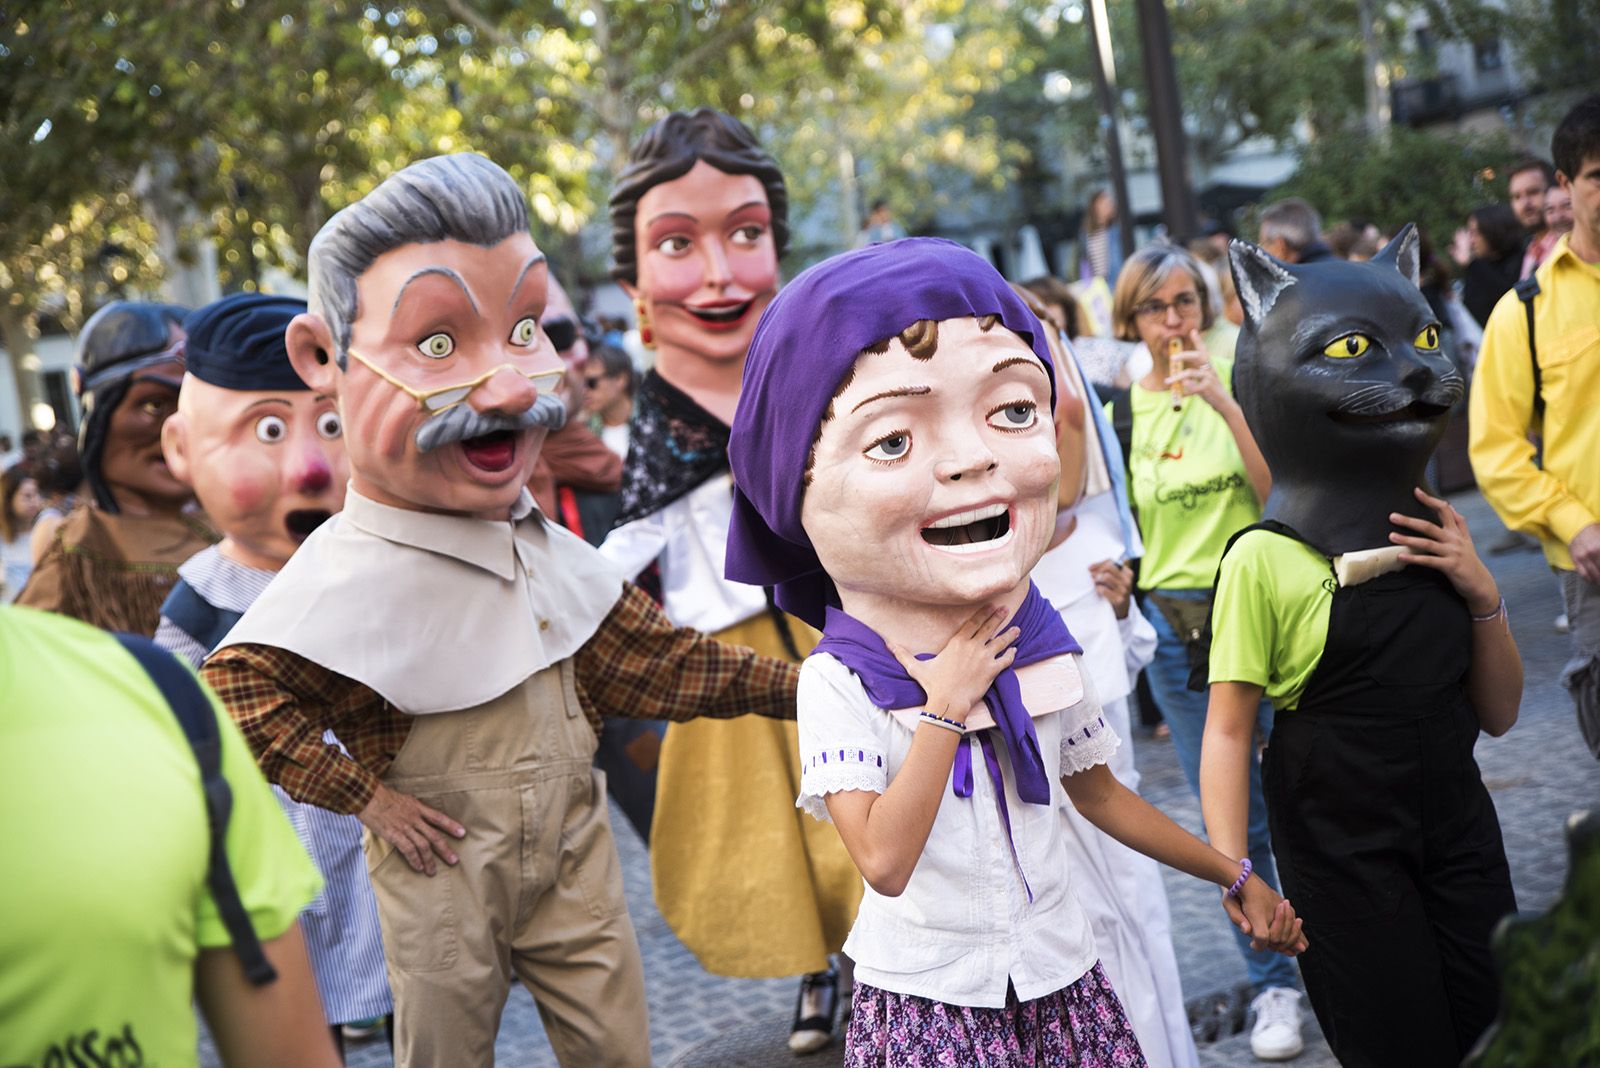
(1081,1025)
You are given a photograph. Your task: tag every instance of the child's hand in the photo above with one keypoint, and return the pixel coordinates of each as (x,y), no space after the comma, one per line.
(1266,917)
(964,669)
(1447,546)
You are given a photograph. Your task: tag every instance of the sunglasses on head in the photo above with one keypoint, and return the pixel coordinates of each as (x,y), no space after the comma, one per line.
(562,332)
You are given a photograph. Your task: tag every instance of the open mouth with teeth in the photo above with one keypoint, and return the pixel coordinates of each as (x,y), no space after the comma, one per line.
(971,531)
(302,521)
(1417,409)
(493,451)
(721,316)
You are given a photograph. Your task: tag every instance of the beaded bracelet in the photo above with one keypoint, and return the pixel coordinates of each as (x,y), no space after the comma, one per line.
(1244,874)
(1499,611)
(940,721)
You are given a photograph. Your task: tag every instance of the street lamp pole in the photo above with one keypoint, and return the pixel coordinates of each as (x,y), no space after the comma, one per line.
(1166,122)
(1105,90)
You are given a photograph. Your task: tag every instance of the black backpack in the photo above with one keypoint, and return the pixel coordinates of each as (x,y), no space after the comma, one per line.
(193,709)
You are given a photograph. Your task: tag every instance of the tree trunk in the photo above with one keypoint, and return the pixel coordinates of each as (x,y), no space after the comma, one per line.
(1377,115)
(191,266)
(615,110)
(19,346)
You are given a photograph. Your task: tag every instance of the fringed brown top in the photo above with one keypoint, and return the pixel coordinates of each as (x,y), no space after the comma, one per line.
(114,571)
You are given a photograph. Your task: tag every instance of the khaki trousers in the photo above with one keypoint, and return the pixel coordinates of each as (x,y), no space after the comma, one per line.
(537,894)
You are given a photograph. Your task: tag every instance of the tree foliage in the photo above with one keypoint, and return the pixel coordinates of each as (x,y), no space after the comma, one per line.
(1408,176)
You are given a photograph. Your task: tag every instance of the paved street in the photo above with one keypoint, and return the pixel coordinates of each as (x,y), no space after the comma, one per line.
(1538,774)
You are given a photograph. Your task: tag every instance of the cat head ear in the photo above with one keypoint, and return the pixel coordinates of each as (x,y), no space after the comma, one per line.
(1259,278)
(1405,253)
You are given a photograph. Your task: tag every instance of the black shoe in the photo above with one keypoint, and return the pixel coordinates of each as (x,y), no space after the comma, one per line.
(814,1012)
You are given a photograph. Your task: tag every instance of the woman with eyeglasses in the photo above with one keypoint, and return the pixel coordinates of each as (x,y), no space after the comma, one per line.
(1195,477)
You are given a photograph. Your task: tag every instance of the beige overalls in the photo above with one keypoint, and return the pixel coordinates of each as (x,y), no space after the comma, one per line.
(537,893)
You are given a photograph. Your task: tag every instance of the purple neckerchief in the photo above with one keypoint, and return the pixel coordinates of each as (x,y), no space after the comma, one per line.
(859,648)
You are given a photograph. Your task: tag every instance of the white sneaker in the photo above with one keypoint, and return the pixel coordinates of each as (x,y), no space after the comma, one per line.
(1276,1034)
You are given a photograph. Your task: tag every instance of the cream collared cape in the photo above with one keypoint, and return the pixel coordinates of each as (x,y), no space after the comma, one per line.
(435,613)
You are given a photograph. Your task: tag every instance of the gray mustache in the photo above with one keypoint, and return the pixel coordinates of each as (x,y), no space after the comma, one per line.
(1381,399)
(462,422)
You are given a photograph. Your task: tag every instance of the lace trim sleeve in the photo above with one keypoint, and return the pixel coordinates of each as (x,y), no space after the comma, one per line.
(1088,744)
(1086,738)
(836,769)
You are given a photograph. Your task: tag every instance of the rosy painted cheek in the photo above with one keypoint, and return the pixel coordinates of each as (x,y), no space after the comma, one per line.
(671,279)
(755,270)
(249,496)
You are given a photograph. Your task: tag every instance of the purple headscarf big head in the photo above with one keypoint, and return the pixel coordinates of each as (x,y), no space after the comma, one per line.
(808,339)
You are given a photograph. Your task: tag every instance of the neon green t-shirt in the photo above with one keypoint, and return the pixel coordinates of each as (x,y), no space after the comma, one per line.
(1269,621)
(104,898)
(1189,485)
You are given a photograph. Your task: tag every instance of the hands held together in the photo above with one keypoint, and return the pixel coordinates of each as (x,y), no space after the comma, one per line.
(1267,917)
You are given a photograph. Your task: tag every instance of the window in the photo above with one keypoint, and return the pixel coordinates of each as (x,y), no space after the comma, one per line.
(1486,53)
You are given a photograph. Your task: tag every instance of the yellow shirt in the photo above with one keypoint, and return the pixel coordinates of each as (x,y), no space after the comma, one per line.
(1563,498)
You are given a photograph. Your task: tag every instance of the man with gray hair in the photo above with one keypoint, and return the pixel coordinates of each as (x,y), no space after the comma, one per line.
(1292,231)
(460,647)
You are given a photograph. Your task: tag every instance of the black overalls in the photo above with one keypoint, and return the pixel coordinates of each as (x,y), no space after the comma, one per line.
(1386,840)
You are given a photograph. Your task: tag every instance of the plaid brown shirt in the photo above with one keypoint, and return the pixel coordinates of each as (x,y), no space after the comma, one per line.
(637,665)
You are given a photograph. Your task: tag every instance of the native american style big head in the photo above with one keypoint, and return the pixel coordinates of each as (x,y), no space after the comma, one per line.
(1342,380)
(264,453)
(425,304)
(894,450)
(130,365)
(699,218)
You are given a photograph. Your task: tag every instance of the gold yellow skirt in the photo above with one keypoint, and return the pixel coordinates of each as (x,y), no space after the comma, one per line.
(753,886)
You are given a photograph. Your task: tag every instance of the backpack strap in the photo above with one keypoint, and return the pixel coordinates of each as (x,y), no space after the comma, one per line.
(1527,289)
(198,617)
(194,712)
(1122,419)
(1199,673)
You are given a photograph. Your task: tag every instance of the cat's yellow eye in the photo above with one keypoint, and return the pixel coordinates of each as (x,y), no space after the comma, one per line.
(1428,340)
(1348,347)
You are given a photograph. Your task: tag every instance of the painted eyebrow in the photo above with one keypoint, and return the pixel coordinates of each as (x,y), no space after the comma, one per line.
(267,400)
(671,215)
(750,204)
(1012,361)
(533,261)
(903,391)
(444,272)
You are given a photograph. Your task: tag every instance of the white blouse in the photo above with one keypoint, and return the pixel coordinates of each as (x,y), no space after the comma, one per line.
(690,537)
(964,925)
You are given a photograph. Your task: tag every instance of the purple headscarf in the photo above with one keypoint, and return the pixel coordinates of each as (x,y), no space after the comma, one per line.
(808,339)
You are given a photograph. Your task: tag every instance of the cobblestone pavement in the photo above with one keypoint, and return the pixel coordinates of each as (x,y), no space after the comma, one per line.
(1538,774)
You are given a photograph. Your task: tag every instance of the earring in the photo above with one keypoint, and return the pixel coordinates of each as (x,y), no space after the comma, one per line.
(646,337)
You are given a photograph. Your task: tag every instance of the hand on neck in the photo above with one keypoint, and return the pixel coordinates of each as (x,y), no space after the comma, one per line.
(1346,516)
(922,628)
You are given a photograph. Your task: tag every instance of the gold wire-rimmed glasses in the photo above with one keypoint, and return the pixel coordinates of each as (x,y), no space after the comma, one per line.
(438,400)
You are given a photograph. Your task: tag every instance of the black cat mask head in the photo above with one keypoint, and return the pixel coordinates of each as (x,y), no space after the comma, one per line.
(1341,377)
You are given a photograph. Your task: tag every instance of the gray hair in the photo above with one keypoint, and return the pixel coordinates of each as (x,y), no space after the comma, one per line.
(1143,276)
(1293,220)
(463,197)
